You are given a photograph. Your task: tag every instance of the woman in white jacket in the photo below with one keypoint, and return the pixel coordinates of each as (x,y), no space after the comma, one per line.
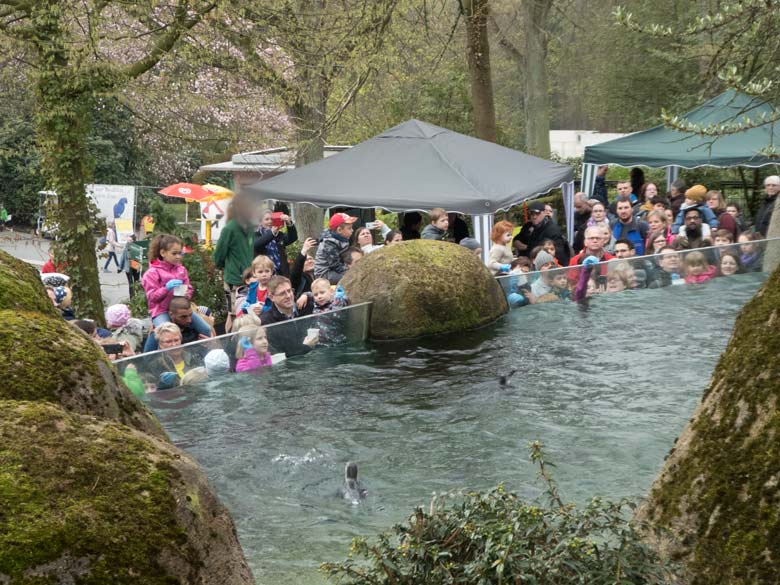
(500,257)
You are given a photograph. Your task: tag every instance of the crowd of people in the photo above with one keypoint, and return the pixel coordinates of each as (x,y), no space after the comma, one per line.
(688,237)
(640,240)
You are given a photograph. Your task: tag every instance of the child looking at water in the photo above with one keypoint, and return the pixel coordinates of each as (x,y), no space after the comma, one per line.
(252,351)
(697,269)
(166,278)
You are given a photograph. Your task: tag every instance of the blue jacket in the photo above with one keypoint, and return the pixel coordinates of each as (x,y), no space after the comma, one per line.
(636,231)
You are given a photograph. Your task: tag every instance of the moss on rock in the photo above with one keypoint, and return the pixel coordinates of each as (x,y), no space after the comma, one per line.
(424,287)
(44,358)
(21,287)
(91,490)
(718,493)
(89,501)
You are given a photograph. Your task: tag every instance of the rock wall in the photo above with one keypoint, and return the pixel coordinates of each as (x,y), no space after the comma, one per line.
(718,494)
(424,287)
(91,490)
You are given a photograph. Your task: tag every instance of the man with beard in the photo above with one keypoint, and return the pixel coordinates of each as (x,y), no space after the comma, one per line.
(691,235)
(538,229)
(626,226)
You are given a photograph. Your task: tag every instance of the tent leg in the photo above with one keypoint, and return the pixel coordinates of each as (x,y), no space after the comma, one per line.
(672,173)
(588,178)
(568,206)
(483,224)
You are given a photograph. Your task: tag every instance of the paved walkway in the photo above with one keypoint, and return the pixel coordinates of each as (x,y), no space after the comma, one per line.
(35,251)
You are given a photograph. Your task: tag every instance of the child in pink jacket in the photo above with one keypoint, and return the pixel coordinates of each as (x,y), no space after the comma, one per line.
(252,351)
(165,278)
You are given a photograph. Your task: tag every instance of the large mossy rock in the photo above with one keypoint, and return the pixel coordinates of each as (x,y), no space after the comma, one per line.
(718,494)
(21,288)
(424,287)
(91,490)
(88,501)
(43,357)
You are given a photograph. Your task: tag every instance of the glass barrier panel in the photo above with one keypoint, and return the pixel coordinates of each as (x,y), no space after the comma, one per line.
(250,348)
(668,267)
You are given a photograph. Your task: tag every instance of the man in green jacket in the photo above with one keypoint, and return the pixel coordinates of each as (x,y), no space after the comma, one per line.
(234,251)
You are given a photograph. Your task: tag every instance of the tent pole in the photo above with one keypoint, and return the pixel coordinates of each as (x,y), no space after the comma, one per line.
(483,224)
(588,178)
(672,173)
(568,206)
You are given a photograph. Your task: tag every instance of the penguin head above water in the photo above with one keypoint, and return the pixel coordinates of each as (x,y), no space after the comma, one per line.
(352,490)
(504,380)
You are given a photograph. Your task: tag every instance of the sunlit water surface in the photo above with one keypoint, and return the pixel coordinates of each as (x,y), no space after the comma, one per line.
(607,390)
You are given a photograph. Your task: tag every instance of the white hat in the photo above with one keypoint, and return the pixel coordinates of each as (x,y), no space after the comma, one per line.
(217,362)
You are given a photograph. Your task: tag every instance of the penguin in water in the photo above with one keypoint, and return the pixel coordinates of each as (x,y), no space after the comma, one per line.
(352,490)
(504,380)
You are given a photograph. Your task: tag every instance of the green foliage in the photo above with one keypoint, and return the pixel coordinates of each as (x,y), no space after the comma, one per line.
(206,281)
(495,537)
(20,169)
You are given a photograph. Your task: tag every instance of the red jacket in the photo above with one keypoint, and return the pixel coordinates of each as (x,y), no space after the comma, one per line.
(574,274)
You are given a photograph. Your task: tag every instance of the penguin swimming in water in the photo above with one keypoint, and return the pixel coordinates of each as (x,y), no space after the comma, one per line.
(352,490)
(504,380)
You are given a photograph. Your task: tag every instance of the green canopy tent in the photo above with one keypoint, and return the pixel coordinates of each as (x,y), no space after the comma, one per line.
(662,147)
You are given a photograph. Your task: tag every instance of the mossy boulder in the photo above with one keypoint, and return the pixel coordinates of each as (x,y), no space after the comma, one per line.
(718,494)
(21,287)
(91,490)
(85,500)
(45,358)
(424,287)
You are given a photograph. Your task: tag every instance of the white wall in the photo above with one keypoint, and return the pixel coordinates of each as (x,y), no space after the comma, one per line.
(572,143)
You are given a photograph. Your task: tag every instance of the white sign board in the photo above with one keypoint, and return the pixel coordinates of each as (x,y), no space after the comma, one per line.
(216,213)
(116,203)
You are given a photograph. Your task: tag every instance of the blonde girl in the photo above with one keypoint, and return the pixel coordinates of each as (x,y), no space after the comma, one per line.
(252,351)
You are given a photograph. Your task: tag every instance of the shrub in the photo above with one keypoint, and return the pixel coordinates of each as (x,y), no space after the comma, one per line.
(495,537)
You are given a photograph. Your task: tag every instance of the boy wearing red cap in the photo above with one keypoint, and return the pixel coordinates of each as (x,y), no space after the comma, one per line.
(328,262)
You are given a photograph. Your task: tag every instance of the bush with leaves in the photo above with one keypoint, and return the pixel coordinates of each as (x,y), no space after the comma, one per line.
(495,537)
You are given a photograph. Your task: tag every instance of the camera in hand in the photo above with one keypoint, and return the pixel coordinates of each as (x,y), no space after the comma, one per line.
(276,219)
(111,348)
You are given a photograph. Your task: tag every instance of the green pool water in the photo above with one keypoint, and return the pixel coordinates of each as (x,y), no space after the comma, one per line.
(607,390)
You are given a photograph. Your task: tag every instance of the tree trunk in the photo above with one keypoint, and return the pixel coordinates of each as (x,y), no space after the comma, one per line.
(308,115)
(63,124)
(478,57)
(717,494)
(537,100)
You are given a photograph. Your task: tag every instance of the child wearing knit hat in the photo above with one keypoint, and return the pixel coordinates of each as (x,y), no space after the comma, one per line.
(695,197)
(123,327)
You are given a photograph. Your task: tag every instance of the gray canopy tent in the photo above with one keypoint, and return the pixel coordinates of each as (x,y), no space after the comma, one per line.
(419,166)
(662,147)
